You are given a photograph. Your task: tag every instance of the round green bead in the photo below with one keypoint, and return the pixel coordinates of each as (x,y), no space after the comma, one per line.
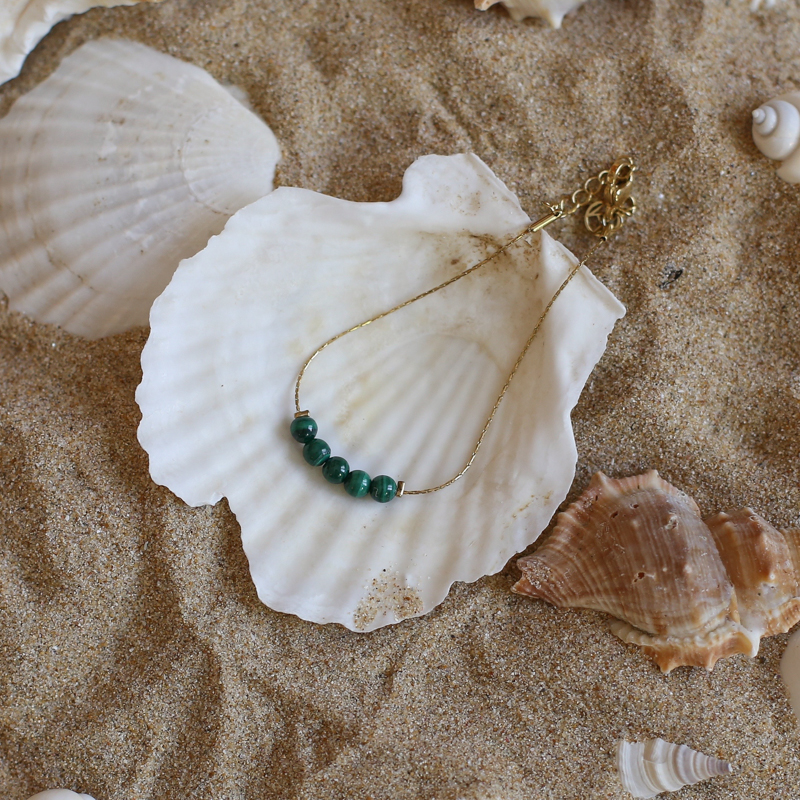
(383,488)
(316,452)
(303,429)
(335,469)
(357,483)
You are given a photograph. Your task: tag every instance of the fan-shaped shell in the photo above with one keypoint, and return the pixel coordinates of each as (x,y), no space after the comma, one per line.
(406,396)
(23,23)
(687,592)
(649,768)
(776,133)
(117,166)
(553,11)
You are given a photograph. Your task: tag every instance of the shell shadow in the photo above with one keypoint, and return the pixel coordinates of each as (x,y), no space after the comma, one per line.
(23,510)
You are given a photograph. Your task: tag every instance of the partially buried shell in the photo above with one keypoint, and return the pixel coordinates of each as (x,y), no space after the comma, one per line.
(551,10)
(60,794)
(23,23)
(406,396)
(649,768)
(776,133)
(120,164)
(688,592)
(790,671)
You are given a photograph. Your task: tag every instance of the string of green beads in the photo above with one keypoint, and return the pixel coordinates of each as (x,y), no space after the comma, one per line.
(335,469)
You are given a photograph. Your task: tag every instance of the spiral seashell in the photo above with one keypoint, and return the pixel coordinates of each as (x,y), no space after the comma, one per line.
(116,167)
(405,397)
(551,10)
(776,133)
(23,23)
(649,768)
(688,592)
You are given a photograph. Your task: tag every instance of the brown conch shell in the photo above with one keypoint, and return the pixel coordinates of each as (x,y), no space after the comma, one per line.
(688,592)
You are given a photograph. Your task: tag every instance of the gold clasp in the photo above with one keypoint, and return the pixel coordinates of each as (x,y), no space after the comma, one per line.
(606,199)
(612,203)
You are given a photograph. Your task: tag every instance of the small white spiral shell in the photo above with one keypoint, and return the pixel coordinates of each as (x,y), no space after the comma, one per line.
(60,794)
(649,768)
(776,133)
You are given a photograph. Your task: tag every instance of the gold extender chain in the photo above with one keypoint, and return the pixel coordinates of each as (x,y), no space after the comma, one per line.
(607,203)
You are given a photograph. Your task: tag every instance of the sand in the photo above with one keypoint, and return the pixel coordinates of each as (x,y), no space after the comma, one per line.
(135,658)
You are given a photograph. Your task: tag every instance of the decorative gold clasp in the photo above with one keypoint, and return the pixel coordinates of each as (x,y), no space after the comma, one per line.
(606,199)
(612,203)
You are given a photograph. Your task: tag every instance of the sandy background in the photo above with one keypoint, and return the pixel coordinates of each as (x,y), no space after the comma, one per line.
(135,658)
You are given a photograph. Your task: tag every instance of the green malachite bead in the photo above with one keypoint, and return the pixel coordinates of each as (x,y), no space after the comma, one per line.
(335,469)
(357,483)
(316,452)
(303,429)
(383,488)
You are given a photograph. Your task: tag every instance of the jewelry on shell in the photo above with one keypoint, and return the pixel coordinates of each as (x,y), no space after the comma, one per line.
(606,202)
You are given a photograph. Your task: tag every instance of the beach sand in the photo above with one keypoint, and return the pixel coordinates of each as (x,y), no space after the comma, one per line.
(135,658)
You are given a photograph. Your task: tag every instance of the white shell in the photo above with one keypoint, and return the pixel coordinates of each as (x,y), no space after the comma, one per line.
(23,23)
(406,396)
(756,4)
(120,164)
(648,768)
(776,132)
(60,794)
(790,671)
(551,10)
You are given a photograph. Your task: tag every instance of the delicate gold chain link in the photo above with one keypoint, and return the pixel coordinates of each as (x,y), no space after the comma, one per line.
(606,201)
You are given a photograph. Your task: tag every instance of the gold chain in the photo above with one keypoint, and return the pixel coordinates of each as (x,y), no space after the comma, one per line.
(607,202)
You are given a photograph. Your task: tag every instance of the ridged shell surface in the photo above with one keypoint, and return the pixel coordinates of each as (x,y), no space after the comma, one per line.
(23,23)
(761,563)
(776,133)
(688,592)
(120,164)
(649,768)
(406,396)
(551,10)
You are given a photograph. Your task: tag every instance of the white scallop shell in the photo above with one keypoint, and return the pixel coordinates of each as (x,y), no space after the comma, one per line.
(120,164)
(551,10)
(776,133)
(24,23)
(649,768)
(60,794)
(406,396)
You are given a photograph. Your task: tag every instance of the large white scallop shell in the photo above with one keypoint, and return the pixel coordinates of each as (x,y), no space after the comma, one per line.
(776,133)
(406,396)
(553,11)
(23,23)
(120,164)
(649,768)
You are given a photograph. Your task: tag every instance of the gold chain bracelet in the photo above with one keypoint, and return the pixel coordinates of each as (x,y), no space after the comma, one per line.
(607,203)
